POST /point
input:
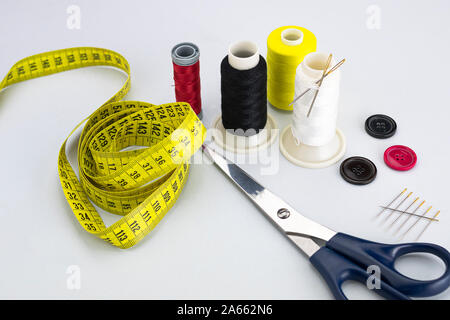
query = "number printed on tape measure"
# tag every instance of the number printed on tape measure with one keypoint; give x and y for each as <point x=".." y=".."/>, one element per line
<point x="139" y="184"/>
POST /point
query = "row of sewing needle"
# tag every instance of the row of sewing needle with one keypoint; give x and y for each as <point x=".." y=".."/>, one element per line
<point x="410" y="212"/>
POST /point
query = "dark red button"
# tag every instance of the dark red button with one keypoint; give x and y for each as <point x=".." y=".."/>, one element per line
<point x="400" y="158"/>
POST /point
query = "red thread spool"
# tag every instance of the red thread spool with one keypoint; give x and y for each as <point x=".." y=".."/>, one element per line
<point x="186" y="74"/>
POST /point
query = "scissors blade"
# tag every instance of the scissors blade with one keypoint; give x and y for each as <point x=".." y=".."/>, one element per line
<point x="295" y="226"/>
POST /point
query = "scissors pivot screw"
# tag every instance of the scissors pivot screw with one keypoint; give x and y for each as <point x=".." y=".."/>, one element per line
<point x="283" y="213"/>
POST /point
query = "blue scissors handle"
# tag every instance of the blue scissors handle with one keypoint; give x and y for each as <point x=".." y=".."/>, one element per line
<point x="358" y="254"/>
<point x="336" y="269"/>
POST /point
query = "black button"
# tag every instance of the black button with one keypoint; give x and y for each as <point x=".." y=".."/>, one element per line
<point x="358" y="170"/>
<point x="380" y="126"/>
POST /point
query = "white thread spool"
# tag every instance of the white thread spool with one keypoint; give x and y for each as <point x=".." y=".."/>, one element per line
<point x="244" y="55"/>
<point x="314" y="141"/>
<point x="319" y="128"/>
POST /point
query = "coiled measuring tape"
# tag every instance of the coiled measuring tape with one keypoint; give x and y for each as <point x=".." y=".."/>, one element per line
<point x="140" y="184"/>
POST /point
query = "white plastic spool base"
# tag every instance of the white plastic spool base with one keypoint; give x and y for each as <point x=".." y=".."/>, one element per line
<point x="245" y="144"/>
<point x="311" y="156"/>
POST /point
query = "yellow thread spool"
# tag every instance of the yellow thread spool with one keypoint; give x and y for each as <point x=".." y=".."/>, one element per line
<point x="286" y="48"/>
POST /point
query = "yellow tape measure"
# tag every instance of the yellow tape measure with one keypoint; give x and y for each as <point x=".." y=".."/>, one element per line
<point x="139" y="184"/>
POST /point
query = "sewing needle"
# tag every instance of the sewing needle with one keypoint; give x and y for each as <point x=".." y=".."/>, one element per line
<point x="436" y="214"/>
<point x="410" y="213"/>
<point x="337" y="65"/>
<point x="415" y="210"/>
<point x="327" y="65"/>
<point x="393" y="222"/>
<point x="392" y="211"/>
<point x="403" y="235"/>
<point x="387" y="207"/>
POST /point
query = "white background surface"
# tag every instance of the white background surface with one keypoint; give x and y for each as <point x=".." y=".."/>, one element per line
<point x="214" y="243"/>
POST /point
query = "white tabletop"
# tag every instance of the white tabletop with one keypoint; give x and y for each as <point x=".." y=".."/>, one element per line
<point x="214" y="243"/>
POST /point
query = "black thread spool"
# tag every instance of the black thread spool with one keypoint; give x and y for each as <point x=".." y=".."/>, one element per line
<point x="245" y="125"/>
<point x="244" y="90"/>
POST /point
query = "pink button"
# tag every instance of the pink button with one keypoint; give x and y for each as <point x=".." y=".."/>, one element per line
<point x="400" y="158"/>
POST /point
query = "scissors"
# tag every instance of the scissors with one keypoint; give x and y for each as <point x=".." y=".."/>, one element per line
<point x="343" y="257"/>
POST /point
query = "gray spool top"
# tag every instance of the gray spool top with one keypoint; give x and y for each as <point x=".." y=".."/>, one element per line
<point x="185" y="54"/>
